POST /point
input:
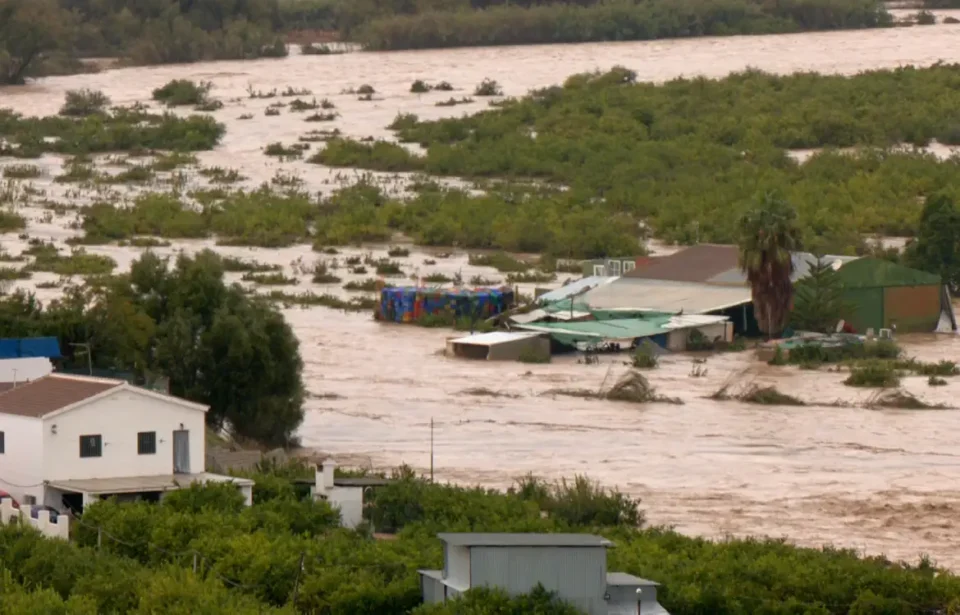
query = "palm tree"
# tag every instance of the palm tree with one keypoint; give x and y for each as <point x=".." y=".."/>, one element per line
<point x="768" y="234"/>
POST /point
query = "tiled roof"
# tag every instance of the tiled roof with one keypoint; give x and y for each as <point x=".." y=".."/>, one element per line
<point x="40" y="397"/>
<point x="697" y="263"/>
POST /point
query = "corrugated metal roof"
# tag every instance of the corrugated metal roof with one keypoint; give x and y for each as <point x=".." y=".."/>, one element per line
<point x="686" y="321"/>
<point x="573" y="288"/>
<point x="40" y="397"/>
<point x="697" y="263"/>
<point x="535" y="315"/>
<point x="468" y="539"/>
<point x="494" y="337"/>
<point x="620" y="329"/>
<point x="801" y="267"/>
<point x="622" y="578"/>
<point x="665" y="296"/>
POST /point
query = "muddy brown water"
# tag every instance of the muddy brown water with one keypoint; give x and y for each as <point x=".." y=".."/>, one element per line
<point x="877" y="480"/>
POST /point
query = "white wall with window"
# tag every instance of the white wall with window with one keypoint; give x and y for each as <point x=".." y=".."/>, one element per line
<point x="127" y="432"/>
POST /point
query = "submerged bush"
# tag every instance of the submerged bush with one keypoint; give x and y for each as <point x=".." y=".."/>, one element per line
<point x="81" y="103"/>
<point x="873" y="374"/>
<point x="183" y="92"/>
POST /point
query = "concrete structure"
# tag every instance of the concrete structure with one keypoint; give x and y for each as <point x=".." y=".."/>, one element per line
<point x="23" y="515"/>
<point x="573" y="566"/>
<point x="66" y="441"/>
<point x="344" y="494"/>
<point x="18" y="371"/>
<point x="498" y="345"/>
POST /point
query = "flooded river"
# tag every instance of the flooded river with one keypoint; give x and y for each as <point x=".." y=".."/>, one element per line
<point x="880" y="481"/>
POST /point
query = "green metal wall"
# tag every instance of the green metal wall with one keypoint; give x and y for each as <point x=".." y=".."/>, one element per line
<point x="866" y="308"/>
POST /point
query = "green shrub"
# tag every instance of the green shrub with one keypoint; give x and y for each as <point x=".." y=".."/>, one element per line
<point x="873" y="374"/>
<point x="488" y="87"/>
<point x="179" y="92"/>
<point x="22" y="171"/>
<point x="646" y="356"/>
<point x="501" y="261"/>
<point x="84" y="102"/>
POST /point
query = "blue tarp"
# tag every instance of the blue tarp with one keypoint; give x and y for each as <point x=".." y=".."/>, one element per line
<point x="20" y="348"/>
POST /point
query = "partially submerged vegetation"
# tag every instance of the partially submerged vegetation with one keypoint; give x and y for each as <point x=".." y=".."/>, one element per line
<point x="122" y="129"/>
<point x="594" y="133"/>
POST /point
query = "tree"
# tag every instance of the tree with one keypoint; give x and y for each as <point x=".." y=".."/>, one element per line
<point x="29" y="28"/>
<point x="217" y="345"/>
<point x="768" y="236"/>
<point x="936" y="248"/>
<point x="818" y="299"/>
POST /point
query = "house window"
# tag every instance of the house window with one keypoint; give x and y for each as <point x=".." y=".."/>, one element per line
<point x="614" y="268"/>
<point x="629" y="266"/>
<point x="599" y="270"/>
<point x="91" y="446"/>
<point x="147" y="443"/>
<point x="3" y="445"/>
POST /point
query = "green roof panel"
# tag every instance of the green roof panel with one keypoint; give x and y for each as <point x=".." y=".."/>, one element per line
<point x="875" y="272"/>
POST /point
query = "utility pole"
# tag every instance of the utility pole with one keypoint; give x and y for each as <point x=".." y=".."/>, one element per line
<point x="89" y="352"/>
<point x="431" y="449"/>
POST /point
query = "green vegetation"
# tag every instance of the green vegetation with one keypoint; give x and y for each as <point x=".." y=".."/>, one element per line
<point x="367" y="285"/>
<point x="322" y="273"/>
<point x="488" y="87"/>
<point x="81" y="103"/>
<point x="22" y="171"/>
<point x="174" y="160"/>
<point x="308" y="299"/>
<point x="541" y="22"/>
<point x="119" y="130"/>
<point x="937" y="245"/>
<point x="818" y="301"/>
<point x="768" y="237"/>
<point x="11" y="221"/>
<point x="687" y="157"/>
<point x="453" y="102"/>
<point x="260" y="218"/>
<point x="233" y="264"/>
<point x="645" y="356"/>
<point x="46" y="257"/>
<point x="501" y="261"/>
<point x="318" y="50"/>
<point x="873" y="374"/>
<point x="179" y="92"/>
<point x="275" y="278"/>
<point x="8" y="274"/>
<point x="531" y="277"/>
<point x="284" y="152"/>
<point x="217" y="345"/>
<point x="285" y="554"/>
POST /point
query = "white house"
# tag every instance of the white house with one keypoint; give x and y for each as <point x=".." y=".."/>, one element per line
<point x="66" y="441"/>
<point x="345" y="494"/>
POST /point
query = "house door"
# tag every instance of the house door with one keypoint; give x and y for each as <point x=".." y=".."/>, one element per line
<point x="181" y="452"/>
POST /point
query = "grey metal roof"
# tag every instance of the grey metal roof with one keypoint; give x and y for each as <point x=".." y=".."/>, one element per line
<point x="665" y="296"/>
<point x="624" y="579"/>
<point x="523" y="540"/>
<point x="801" y="267"/>
<point x="573" y="288"/>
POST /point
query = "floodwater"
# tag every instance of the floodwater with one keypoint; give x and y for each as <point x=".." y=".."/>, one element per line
<point x="877" y="480"/>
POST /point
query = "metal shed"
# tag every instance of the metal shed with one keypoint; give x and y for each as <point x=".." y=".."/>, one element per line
<point x="498" y="345"/>
<point x="881" y="294"/>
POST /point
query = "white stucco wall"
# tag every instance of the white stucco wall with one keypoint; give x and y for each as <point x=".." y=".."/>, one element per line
<point x="21" y="465"/>
<point x="349" y="500"/>
<point x="24" y="369"/>
<point x="118" y="417"/>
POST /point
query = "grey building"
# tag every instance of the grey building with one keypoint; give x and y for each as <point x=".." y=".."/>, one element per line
<point x="573" y="566"/>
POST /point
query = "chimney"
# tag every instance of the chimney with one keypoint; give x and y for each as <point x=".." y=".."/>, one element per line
<point x="324" y="476"/>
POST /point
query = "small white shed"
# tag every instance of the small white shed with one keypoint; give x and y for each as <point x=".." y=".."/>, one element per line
<point x="498" y="345"/>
